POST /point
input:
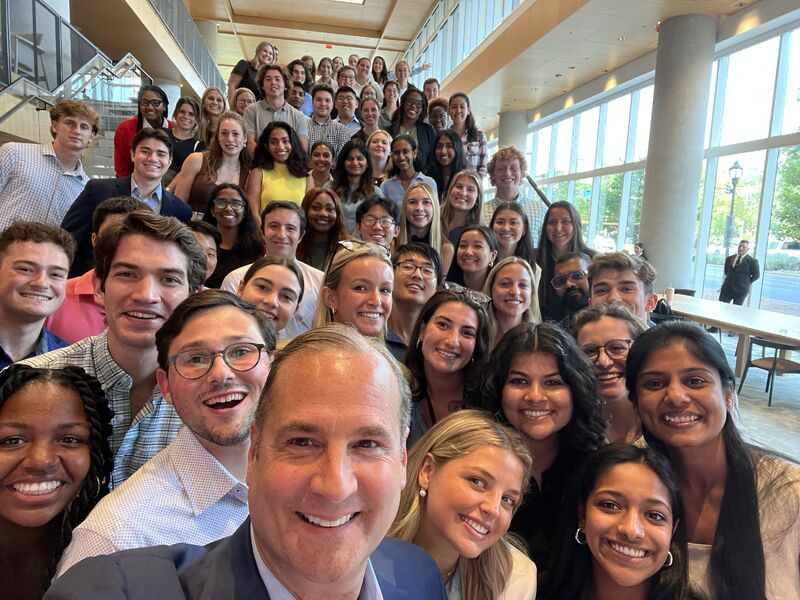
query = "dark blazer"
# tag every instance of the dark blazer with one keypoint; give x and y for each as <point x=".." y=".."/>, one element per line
<point x="737" y="281"/>
<point x="78" y="220"/>
<point x="426" y="135"/>
<point x="226" y="569"/>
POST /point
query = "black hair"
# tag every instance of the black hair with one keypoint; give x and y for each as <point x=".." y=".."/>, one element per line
<point x="422" y="249"/>
<point x="379" y="79"/>
<point x="456" y="273"/>
<point x="397" y="118"/>
<point x="118" y="205"/>
<point x="459" y="162"/>
<point x="249" y="241"/>
<point x="586" y="428"/>
<point x="341" y="183"/>
<point x="404" y="137"/>
<point x="321" y="87"/>
<point x="524" y="247"/>
<point x="737" y="539"/>
<point x="208" y="229"/>
<point x="282" y="261"/>
<point x="140" y="120"/>
<point x="307" y="83"/>
<point x="469" y="123"/>
<point x="98" y="416"/>
<point x="385" y="84"/>
<point x="287" y="205"/>
<point x="297" y="161"/>
<point x="375" y="200"/>
<point x="202" y="301"/>
<point x="572" y="568"/>
<point x="148" y="133"/>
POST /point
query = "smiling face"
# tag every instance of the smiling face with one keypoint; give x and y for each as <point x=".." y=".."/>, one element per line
<point x="377" y="226"/>
<point x="325" y="70"/>
<point x="378" y="147"/>
<point x="362" y="69"/>
<point x="402" y="72"/>
<point x="463" y="194"/>
<point x="326" y="472"/>
<point x="151" y="105"/>
<point x="370" y="113"/>
<point x="459" y="110"/>
<point x="219" y="406"/>
<point x="364" y="296"/>
<point x="511" y="291"/>
<point x="267" y="55"/>
<point x="209" y="247"/>
<point x="44" y="453"/>
<point x="213" y="103"/>
<point x="403" y="155"/>
<point x="185" y="117"/>
<point x="346" y="106"/>
<point x="231" y="213"/>
<point x="474" y="254"/>
<point x="33" y="280"/>
<point x="391" y="94"/>
<point x="536" y="399"/>
<point x="610" y="371"/>
<point x="274" y="84"/>
<point x="470" y="501"/>
<point x="621" y="288"/>
<point x="322" y="213"/>
<point x="297" y="96"/>
<point x="412" y="107"/>
<point x="146" y="280"/>
<point x="413" y="287"/>
<point x="337" y="63"/>
<point x="151" y="159"/>
<point x="321" y="159"/>
<point x="279" y="145"/>
<point x="559" y="229"/>
<point x="681" y="400"/>
<point x="419" y="209"/>
<point x="231" y="137"/>
<point x="448" y="338"/>
<point x="444" y="150"/>
<point x="275" y="291"/>
<point x="431" y="90"/>
<point x="437" y="116"/>
<point x="281" y="232"/>
<point x="628" y="524"/>
<point x="507" y="178"/>
<point x="509" y="228"/>
<point x="322" y="104"/>
<point x="355" y="164"/>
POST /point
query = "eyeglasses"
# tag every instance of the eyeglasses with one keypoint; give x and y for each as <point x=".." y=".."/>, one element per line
<point x="416" y="103"/>
<point x="613" y="349"/>
<point x="154" y="103"/>
<point x="408" y="267"/>
<point x="560" y="281"/>
<point x="225" y="203"/>
<point x="354" y="245"/>
<point x="193" y="364"/>
<point x="370" y="221"/>
<point x="466" y="293"/>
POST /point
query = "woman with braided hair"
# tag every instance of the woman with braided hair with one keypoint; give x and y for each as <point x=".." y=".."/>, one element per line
<point x="55" y="463"/>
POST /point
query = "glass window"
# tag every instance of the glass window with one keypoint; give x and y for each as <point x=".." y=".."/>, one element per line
<point x="711" y="94"/>
<point x="616" y="130"/>
<point x="605" y="239"/>
<point x="748" y="93"/>
<point x="587" y="138"/>
<point x="643" y="123"/>
<point x="542" y="152"/>
<point x="559" y="191"/>
<point x="634" y="208"/>
<point x="779" y="291"/>
<point x="791" y="110"/>
<point x="582" y="200"/>
<point x="745" y="213"/>
<point x="563" y="146"/>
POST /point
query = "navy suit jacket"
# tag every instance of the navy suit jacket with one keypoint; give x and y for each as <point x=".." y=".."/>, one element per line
<point x="78" y="220"/>
<point x="738" y="280"/>
<point x="226" y="569"/>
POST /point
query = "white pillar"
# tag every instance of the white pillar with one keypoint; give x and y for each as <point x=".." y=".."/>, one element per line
<point x="173" y="91"/>
<point x="513" y="129"/>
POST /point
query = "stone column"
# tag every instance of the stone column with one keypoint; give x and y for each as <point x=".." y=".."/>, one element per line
<point x="675" y="154"/>
<point x="513" y="129"/>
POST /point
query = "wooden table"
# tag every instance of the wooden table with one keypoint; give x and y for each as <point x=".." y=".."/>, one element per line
<point x="744" y="320"/>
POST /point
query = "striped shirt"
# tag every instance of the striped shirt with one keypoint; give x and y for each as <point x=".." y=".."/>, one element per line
<point x="135" y="440"/>
<point x="187" y="496"/>
<point x="34" y="186"/>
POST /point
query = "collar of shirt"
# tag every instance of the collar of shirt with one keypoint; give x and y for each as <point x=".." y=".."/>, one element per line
<point x="324" y="123"/>
<point x="283" y="108"/>
<point x="153" y="200"/>
<point x="204" y="478"/>
<point x="353" y="120"/>
<point x="47" y="150"/>
<point x="370" y="590"/>
<point x="84" y="284"/>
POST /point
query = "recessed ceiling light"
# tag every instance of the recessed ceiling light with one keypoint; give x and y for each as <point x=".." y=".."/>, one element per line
<point x="621" y="38"/>
<point x="558" y="75"/>
<point x="350" y="1"/>
<point x="570" y="68"/>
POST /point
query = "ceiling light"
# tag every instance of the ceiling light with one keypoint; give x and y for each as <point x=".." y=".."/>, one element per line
<point x="350" y="1"/>
<point x="621" y="38"/>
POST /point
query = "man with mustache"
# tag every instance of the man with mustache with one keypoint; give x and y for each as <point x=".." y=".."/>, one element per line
<point x="571" y="284"/>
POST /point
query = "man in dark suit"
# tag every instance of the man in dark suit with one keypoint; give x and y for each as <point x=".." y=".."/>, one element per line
<point x="324" y="472"/>
<point x="151" y="152"/>
<point x="741" y="270"/>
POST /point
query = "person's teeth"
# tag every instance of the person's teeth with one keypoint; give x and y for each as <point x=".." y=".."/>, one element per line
<point x="36" y="489"/>
<point x="140" y="315"/>
<point x="324" y="523"/>
<point x="681" y="418"/>
<point x="534" y="414"/>
<point x="233" y="397"/>
<point x="371" y="315"/>
<point x="627" y="551"/>
<point x="476" y="526"/>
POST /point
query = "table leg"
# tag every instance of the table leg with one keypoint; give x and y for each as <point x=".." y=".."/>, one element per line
<point x="742" y="354"/>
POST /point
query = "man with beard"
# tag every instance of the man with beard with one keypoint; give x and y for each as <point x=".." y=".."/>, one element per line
<point x="571" y="284"/>
<point x="193" y="491"/>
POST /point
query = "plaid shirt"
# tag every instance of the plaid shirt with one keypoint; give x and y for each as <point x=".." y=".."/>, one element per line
<point x="34" y="186"/>
<point x="134" y="441"/>
<point x="330" y="131"/>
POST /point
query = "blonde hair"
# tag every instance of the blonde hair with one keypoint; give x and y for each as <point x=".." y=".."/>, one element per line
<point x="204" y="132"/>
<point x="389" y="138"/>
<point x="435" y="237"/>
<point x="475" y="216"/>
<point x="455" y="436"/>
<point x="254" y="62"/>
<point x="532" y="314"/>
<point x="323" y="315"/>
<point x="214" y="153"/>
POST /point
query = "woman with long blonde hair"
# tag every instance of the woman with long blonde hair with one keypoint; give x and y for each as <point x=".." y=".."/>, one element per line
<point x="511" y="285"/>
<point x="463" y="204"/>
<point x="244" y="73"/>
<point x="465" y="479"/>
<point x="420" y="221"/>
<point x="212" y="105"/>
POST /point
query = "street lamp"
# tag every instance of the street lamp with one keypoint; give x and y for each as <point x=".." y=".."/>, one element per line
<point x="735" y="172"/>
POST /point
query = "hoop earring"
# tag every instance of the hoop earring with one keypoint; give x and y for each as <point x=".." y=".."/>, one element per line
<point x="423" y="492"/>
<point x="419" y="343"/>
<point x="578" y="533"/>
<point x="669" y="560"/>
<point x="97" y="491"/>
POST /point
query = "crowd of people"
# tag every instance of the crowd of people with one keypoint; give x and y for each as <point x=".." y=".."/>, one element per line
<point x="291" y="351"/>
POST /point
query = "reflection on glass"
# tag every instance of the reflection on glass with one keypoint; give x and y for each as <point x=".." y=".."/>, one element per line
<point x="543" y="152"/>
<point x="563" y="146"/>
<point x="643" y="123"/>
<point x="605" y="239"/>
<point x="616" y="137"/>
<point x="582" y="200"/>
<point x="791" y="109"/>
<point x="634" y="209"/>
<point x="587" y="139"/>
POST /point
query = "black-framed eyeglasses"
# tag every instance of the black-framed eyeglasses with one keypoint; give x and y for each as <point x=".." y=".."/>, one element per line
<point x="223" y="203"/>
<point x="408" y="267"/>
<point x="144" y="103"/>
<point x="613" y="348"/>
<point x="354" y="245"/>
<point x="466" y="293"/>
<point x="386" y="222"/>
<point x="415" y="103"/>
<point x="195" y="363"/>
<point x="560" y="281"/>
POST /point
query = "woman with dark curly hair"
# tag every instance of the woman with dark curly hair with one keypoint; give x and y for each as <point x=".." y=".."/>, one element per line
<point x="450" y="341"/>
<point x="352" y="180"/>
<point x="242" y="241"/>
<point x="539" y="381"/>
<point x="279" y="170"/>
<point x="55" y="464"/>
<point x="622" y="533"/>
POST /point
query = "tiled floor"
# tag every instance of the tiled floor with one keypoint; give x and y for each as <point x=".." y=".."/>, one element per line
<point x="776" y="427"/>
